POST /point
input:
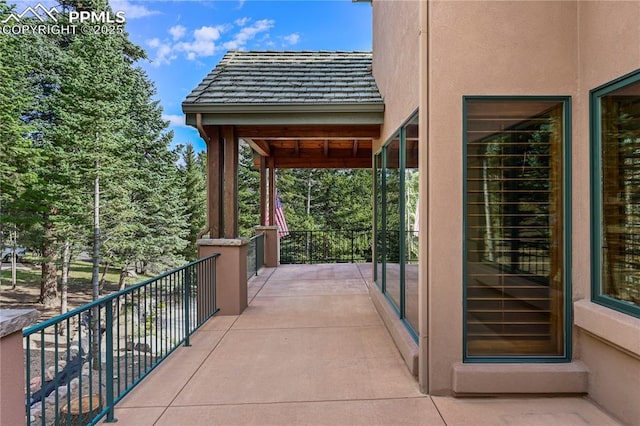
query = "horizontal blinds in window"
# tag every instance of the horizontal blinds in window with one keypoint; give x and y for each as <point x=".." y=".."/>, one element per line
<point x="512" y="218"/>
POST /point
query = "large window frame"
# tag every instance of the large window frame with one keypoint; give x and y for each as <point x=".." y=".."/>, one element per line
<point x="598" y="206"/>
<point x="563" y="348"/>
<point x="393" y="260"/>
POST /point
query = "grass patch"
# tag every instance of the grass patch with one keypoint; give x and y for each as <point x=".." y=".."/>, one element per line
<point x="79" y="276"/>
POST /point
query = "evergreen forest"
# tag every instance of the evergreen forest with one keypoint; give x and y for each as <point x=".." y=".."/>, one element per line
<point x="88" y="165"/>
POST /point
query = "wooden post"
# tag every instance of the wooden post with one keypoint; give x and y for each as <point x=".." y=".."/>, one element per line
<point x="263" y="191"/>
<point x="230" y="197"/>
<point x="214" y="181"/>
<point x="272" y="191"/>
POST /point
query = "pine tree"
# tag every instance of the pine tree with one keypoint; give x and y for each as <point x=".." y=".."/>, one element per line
<point x="195" y="196"/>
<point x="16" y="160"/>
<point x="248" y="192"/>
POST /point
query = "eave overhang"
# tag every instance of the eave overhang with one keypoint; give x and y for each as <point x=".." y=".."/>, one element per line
<point x="281" y="114"/>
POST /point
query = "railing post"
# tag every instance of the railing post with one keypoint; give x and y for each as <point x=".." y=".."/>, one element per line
<point x="109" y="361"/>
<point x="187" y="302"/>
<point x="231" y="272"/>
<point x="255" y="252"/>
<point x="271" y="249"/>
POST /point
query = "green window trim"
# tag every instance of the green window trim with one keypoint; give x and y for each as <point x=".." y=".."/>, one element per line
<point x="628" y="300"/>
<point x="382" y="160"/>
<point x="563" y="350"/>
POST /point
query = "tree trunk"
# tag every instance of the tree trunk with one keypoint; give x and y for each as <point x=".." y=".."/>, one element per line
<point x="95" y="279"/>
<point x="64" y="282"/>
<point x="49" y="282"/>
<point x="95" y="315"/>
<point x="123" y="277"/>
<point x="14" y="259"/>
<point x="309" y="184"/>
<point x="103" y="278"/>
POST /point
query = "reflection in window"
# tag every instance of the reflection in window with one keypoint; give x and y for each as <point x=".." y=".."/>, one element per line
<point x="411" y="175"/>
<point x="514" y="228"/>
<point x="619" y="233"/>
<point x="379" y="221"/>
<point x="392" y="228"/>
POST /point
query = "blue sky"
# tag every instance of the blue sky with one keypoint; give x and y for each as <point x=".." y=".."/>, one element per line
<point x="184" y="40"/>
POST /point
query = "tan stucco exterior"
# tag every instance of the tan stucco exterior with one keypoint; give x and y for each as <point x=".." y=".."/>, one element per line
<point x="431" y="54"/>
<point x="395" y="61"/>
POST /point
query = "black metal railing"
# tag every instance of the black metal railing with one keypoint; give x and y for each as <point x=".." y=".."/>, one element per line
<point x="80" y="364"/>
<point x="528" y="257"/>
<point x="326" y="246"/>
<point x="255" y="255"/>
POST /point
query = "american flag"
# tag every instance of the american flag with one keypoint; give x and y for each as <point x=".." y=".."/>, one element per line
<point x="281" y="221"/>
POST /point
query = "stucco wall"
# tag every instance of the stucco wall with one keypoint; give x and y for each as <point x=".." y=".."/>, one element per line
<point x="395" y="61"/>
<point x="478" y="48"/>
<point x="560" y="48"/>
<point x="609" y="48"/>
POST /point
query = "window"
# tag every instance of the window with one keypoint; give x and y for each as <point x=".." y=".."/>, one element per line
<point x="396" y="235"/>
<point x="516" y="229"/>
<point x="615" y="139"/>
<point x="411" y="214"/>
<point x="378" y="221"/>
<point x="392" y="222"/>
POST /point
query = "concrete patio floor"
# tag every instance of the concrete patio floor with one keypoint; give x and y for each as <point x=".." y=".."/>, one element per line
<point x="312" y="350"/>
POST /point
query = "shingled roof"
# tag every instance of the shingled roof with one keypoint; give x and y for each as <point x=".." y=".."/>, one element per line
<point x="287" y="77"/>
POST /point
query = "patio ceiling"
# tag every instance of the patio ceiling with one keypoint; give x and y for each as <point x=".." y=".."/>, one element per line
<point x="297" y="109"/>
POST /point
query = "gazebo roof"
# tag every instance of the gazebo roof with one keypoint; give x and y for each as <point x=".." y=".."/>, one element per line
<point x="305" y="108"/>
<point x="279" y="78"/>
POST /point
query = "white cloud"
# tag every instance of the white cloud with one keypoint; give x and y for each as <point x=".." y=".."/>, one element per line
<point x="154" y="43"/>
<point x="240" y="3"/>
<point x="164" y="55"/>
<point x="177" y="32"/>
<point x="248" y="33"/>
<point x="174" y="119"/>
<point x="208" y="33"/>
<point x="292" y="39"/>
<point x="203" y="43"/>
<point x="242" y="21"/>
<point x="132" y="11"/>
<point x="209" y="40"/>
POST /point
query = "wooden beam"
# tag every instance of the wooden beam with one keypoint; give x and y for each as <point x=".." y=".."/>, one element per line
<point x="323" y="163"/>
<point x="326" y="148"/>
<point x="369" y="131"/>
<point x="317" y="144"/>
<point x="355" y="147"/>
<point x="230" y="198"/>
<point x="261" y="147"/>
<point x="297" y="148"/>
